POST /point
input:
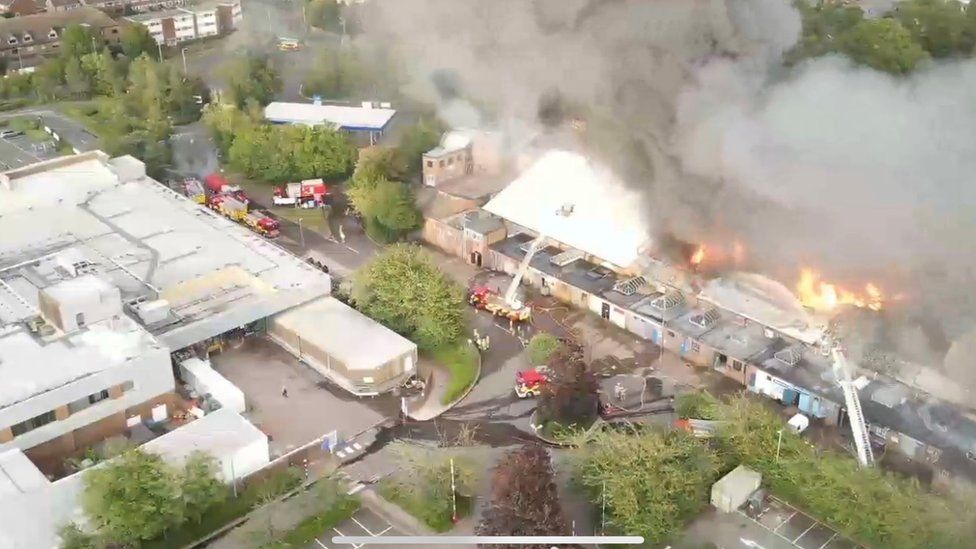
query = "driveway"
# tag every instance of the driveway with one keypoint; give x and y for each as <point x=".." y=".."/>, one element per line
<point x="68" y="129"/>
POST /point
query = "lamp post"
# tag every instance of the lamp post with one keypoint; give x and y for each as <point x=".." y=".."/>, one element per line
<point x="159" y="48"/>
<point x="183" y="53"/>
<point x="779" y="443"/>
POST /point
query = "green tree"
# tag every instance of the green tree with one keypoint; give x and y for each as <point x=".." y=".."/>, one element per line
<point x="415" y="141"/>
<point x="939" y="26"/>
<point x="136" y="41"/>
<point x="134" y="497"/>
<point x="404" y="290"/>
<point x="824" y="26"/>
<point x="524" y="499"/>
<point x="388" y="207"/>
<point x="226" y="122"/>
<point x="77" y="40"/>
<point x="651" y="483"/>
<point x="338" y="73"/>
<point x="569" y="396"/>
<point x="48" y="78"/>
<point x="883" y="44"/>
<point x="77" y="80"/>
<point x="200" y="487"/>
<point x="541" y="347"/>
<point x="251" y="76"/>
<point x="422" y="484"/>
<point x="73" y="537"/>
<point x="323" y="14"/>
<point x="106" y="74"/>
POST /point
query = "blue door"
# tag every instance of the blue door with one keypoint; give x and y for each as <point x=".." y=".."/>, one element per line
<point x="789" y="397"/>
<point x="656" y="336"/>
<point x="805" y="403"/>
<point x="684" y="345"/>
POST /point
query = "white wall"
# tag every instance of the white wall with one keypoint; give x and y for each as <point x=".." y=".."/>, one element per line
<point x="200" y="375"/>
<point x="150" y="373"/>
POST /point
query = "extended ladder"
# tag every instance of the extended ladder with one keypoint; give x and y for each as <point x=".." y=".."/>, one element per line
<point x="859" y="427"/>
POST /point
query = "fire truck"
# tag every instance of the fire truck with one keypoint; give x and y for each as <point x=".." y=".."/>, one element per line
<point x="263" y="224"/>
<point x="194" y="190"/>
<point x="228" y="205"/>
<point x="528" y="383"/>
<point x="310" y="193"/>
<point x="487" y="299"/>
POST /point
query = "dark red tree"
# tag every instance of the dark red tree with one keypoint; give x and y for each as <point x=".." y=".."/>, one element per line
<point x="524" y="501"/>
<point x="569" y="397"/>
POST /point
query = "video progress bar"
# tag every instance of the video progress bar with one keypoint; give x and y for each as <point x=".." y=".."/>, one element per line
<point x="497" y="540"/>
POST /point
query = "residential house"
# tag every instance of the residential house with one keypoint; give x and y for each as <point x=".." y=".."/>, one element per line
<point x="54" y="6"/>
<point x="18" y="7"/>
<point x="182" y="24"/>
<point x="40" y="34"/>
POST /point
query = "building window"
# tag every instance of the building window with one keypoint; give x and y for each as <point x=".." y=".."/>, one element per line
<point x="441" y="163"/>
<point x="450" y="161"/>
<point x="32" y="423"/>
<point x="12" y="40"/>
<point x="87" y="401"/>
<point x="128" y="386"/>
<point x="695" y="347"/>
<point x="736" y="365"/>
<point x="430" y="163"/>
<point x="98" y="397"/>
<point x="28" y="38"/>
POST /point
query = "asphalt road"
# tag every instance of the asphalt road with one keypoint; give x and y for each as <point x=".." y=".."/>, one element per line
<point x="68" y="129"/>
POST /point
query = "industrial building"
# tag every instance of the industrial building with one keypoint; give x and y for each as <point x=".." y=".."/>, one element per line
<point x="596" y="253"/>
<point x="119" y="284"/>
<point x="365" y="123"/>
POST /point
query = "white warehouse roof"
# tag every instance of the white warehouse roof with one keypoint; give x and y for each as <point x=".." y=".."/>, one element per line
<point x="345" y="334"/>
<point x="347" y="118"/>
<point x="146" y="240"/>
<point x="606" y="220"/>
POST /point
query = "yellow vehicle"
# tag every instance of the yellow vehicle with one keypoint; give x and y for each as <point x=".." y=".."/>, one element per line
<point x="288" y="44"/>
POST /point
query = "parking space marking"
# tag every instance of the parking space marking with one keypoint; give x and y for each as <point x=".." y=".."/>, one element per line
<point x="781" y="507"/>
<point x="322" y="545"/>
<point x="830" y="539"/>
<point x="362" y="526"/>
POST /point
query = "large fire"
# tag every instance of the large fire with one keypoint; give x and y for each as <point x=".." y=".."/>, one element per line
<point x="823" y="296"/>
<point x="698" y="256"/>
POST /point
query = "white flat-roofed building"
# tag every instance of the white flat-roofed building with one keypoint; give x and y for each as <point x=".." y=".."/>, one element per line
<point x="361" y="355"/>
<point x="367" y="120"/>
<point x="116" y="272"/>
<point x="33" y="509"/>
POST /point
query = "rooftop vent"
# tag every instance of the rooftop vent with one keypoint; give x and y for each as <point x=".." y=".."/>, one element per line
<point x="598" y="273"/>
<point x="629" y="286"/>
<point x="706" y="319"/>
<point x="565" y="258"/>
<point x="668" y="301"/>
<point x="526" y="246"/>
<point x="565" y="210"/>
<point x="790" y="356"/>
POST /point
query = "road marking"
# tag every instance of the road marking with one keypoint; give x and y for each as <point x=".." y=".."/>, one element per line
<point x="353" y="250"/>
<point x="322" y="545"/>
<point x="780" y="525"/>
<point x="385" y="530"/>
<point x="830" y="539"/>
<point x="361" y="525"/>
<point x="805" y="531"/>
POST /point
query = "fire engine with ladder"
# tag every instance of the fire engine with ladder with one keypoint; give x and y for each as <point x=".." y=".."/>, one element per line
<point x="509" y="305"/>
<point x="859" y="427"/>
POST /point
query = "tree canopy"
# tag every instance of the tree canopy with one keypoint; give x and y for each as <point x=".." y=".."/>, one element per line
<point x="884" y="45"/>
<point x="652" y="483"/>
<point x="137" y="496"/>
<point x="541" y="347"/>
<point x="569" y="397"/>
<point x="403" y="289"/>
<point x="414" y="142"/>
<point x="387" y="207"/>
<point x="524" y="499"/>
<point x="251" y="76"/>
<point x="323" y="14"/>
<point x="136" y="41"/>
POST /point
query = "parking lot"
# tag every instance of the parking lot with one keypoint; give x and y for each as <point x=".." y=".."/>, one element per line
<point x="313" y="407"/>
<point x="799" y="529"/>
<point x="363" y="523"/>
<point x="22" y="150"/>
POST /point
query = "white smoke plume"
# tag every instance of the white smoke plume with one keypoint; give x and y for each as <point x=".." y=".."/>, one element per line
<point x="860" y="174"/>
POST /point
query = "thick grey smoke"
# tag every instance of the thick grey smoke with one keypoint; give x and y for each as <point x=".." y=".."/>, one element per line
<point x="826" y="164"/>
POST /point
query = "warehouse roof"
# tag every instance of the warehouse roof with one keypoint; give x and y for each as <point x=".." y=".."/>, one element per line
<point x="347" y="335"/>
<point x="347" y="118"/>
<point x="577" y="202"/>
<point x="148" y="241"/>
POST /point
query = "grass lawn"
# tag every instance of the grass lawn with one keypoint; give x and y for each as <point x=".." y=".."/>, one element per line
<point x="312" y="527"/>
<point x="434" y="513"/>
<point x="313" y="219"/>
<point x="462" y="361"/>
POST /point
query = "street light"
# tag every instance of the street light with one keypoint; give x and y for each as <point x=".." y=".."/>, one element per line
<point x="779" y="443"/>
<point x="183" y="53"/>
<point x="159" y="48"/>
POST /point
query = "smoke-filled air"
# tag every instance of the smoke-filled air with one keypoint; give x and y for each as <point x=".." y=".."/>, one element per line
<point x="861" y="175"/>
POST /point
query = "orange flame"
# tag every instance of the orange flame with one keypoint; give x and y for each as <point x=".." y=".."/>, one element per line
<point x="823" y="296"/>
<point x="698" y="256"/>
